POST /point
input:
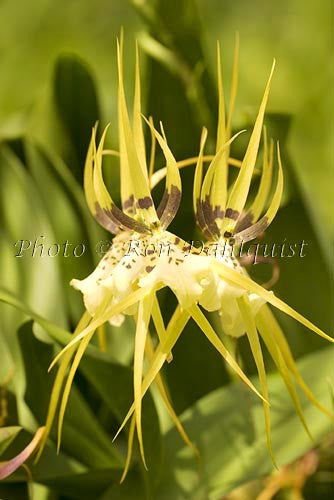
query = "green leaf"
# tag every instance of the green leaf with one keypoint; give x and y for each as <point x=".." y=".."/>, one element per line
<point x="23" y="222"/>
<point x="55" y="331"/>
<point x="114" y="383"/>
<point x="7" y="435"/>
<point x="83" y="436"/>
<point x="64" y="203"/>
<point x="24" y="219"/>
<point x="49" y="161"/>
<point x="63" y="474"/>
<point x="227" y="426"/>
<point x="76" y="103"/>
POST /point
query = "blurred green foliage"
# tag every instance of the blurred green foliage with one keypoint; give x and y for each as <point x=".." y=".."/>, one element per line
<point x="58" y="78"/>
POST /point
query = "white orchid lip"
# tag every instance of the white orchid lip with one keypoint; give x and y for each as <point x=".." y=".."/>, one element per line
<point x="166" y="260"/>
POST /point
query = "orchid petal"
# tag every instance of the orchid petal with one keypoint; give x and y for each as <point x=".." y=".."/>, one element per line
<point x="139" y="181"/>
<point x="238" y="195"/>
<point x="138" y="133"/>
<point x="255" y="346"/>
<point x="58" y="383"/>
<point x="209" y="332"/>
<point x="66" y="393"/>
<point x="164" y="395"/>
<point x="253" y="231"/>
<point x="144" y="314"/>
<point x="234" y="86"/>
<point x="269" y="322"/>
<point x="174" y="330"/>
<point x="159" y="324"/>
<point x="280" y="362"/>
<point x="248" y="284"/>
<point x="132" y="298"/>
<point x="172" y="196"/>
<point x="130" y="448"/>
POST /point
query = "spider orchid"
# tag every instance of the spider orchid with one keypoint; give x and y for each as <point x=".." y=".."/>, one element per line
<point x="128" y="282"/>
<point x="223" y="220"/>
<point x="143" y="258"/>
<point x="225" y="286"/>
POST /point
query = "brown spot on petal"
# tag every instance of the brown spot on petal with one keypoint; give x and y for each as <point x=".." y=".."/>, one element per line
<point x="252" y="232"/>
<point x="200" y="220"/>
<point x="209" y="217"/>
<point x="218" y="213"/>
<point x="109" y="223"/>
<point x="126" y="221"/>
<point x="245" y="222"/>
<point x="145" y="202"/>
<point x="171" y="206"/>
<point x="232" y="214"/>
<point x="149" y="269"/>
<point x="129" y="203"/>
<point x="162" y="204"/>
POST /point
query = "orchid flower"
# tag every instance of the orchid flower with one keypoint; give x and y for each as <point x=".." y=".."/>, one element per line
<point x="220" y="214"/>
<point x="143" y="258"/>
<point x="127" y="279"/>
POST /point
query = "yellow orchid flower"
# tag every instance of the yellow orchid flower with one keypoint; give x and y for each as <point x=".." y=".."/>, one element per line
<point x="222" y="284"/>
<point x="145" y="257"/>
<point x="224" y="221"/>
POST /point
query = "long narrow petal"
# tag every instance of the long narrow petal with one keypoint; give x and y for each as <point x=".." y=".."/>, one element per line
<point x="164" y="395"/>
<point x="214" y="165"/>
<point x="212" y="209"/>
<point x="159" y="324"/>
<point x="209" y="332"/>
<point x="172" y="196"/>
<point x="238" y="196"/>
<point x="152" y="153"/>
<point x="144" y="315"/>
<point x="105" y="202"/>
<point x="234" y="86"/>
<point x="268" y="319"/>
<point x="247" y="283"/>
<point x="93" y="204"/>
<point x="131" y="299"/>
<point x="88" y="175"/>
<point x="219" y="185"/>
<point x="127" y="195"/>
<point x="279" y="360"/>
<point x="139" y="181"/>
<point x="58" y="384"/>
<point x="197" y="205"/>
<point x="221" y="129"/>
<point x="267" y="170"/>
<point x="138" y="133"/>
<point x="254" y="342"/>
<point x="174" y="330"/>
<point x="67" y="389"/>
<point x="130" y="448"/>
<point x="12" y="465"/>
<point x="253" y="231"/>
